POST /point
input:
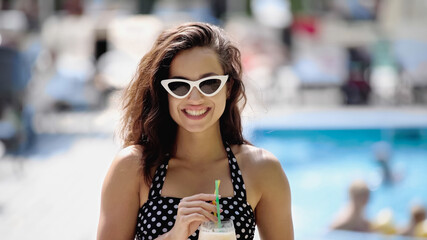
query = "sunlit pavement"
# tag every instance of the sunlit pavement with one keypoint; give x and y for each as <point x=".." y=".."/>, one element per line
<point x="53" y="192"/>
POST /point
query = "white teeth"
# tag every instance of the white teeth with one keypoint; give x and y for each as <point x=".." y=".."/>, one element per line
<point x="195" y="112"/>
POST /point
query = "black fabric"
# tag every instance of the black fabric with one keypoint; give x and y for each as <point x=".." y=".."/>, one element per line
<point x="157" y="215"/>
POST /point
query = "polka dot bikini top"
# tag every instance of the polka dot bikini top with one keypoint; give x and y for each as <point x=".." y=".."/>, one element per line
<point x="157" y="215"/>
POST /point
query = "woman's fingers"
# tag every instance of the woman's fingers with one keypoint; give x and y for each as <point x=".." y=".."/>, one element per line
<point x="202" y="204"/>
<point x="195" y="217"/>
<point x="200" y="197"/>
<point x="199" y="200"/>
<point x="208" y="216"/>
<point x="194" y="210"/>
<point x="199" y="207"/>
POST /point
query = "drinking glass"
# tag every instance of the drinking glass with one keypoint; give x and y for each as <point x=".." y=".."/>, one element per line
<point x="215" y="231"/>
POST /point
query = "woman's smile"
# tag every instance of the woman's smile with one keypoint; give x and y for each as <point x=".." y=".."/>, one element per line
<point x="196" y="113"/>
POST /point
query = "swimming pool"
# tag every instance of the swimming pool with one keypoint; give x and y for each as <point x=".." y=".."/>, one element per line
<point x="321" y="163"/>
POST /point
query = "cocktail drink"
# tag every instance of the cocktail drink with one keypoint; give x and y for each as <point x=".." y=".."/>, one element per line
<point x="215" y="231"/>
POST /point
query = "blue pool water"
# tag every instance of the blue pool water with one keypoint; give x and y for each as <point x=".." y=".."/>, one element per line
<point x="320" y="164"/>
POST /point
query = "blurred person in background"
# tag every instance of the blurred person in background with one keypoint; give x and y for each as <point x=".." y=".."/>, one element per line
<point x="382" y="152"/>
<point x="178" y="140"/>
<point x="352" y="217"/>
<point x="15" y="116"/>
<point x="16" y="133"/>
<point x="357" y="88"/>
<point x="418" y="215"/>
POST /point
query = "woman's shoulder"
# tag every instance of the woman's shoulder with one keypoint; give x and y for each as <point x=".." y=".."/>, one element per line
<point x="123" y="178"/>
<point x="128" y="159"/>
<point x="255" y="158"/>
<point x="261" y="170"/>
<point x="130" y="152"/>
<point x="255" y="154"/>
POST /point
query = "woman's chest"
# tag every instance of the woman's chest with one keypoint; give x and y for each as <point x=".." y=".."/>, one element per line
<point x="183" y="180"/>
<point x="158" y="216"/>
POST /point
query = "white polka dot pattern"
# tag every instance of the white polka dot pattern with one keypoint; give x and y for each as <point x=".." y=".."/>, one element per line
<point x="150" y="225"/>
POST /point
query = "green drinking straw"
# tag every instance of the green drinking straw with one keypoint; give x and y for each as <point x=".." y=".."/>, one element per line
<point x="217" y="182"/>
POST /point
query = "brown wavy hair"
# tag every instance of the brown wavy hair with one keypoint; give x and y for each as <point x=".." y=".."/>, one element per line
<point x="146" y="120"/>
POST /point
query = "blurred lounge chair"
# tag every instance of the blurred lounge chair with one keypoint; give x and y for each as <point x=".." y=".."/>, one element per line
<point x="411" y="56"/>
<point x="322" y="70"/>
<point x="70" y="38"/>
<point x="129" y="38"/>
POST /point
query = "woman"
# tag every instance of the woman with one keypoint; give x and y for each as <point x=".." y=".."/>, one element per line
<point x="182" y="131"/>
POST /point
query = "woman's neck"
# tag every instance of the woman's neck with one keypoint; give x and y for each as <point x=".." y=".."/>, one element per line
<point x="199" y="147"/>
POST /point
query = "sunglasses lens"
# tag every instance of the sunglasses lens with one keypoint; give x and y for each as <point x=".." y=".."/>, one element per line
<point x="179" y="88"/>
<point x="210" y="86"/>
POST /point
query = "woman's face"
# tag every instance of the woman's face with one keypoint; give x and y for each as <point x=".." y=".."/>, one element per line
<point x="197" y="112"/>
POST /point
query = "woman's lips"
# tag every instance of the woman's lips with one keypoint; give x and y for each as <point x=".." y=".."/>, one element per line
<point x="195" y="113"/>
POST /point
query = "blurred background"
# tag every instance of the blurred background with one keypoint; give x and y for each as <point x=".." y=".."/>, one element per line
<point x="337" y="90"/>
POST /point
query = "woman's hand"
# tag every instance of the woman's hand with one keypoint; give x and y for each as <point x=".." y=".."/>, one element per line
<point x="192" y="211"/>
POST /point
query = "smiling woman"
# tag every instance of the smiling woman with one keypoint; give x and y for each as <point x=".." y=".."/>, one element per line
<point x="181" y="131"/>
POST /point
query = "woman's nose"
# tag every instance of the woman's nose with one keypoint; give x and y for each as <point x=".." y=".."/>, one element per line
<point x="195" y="94"/>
